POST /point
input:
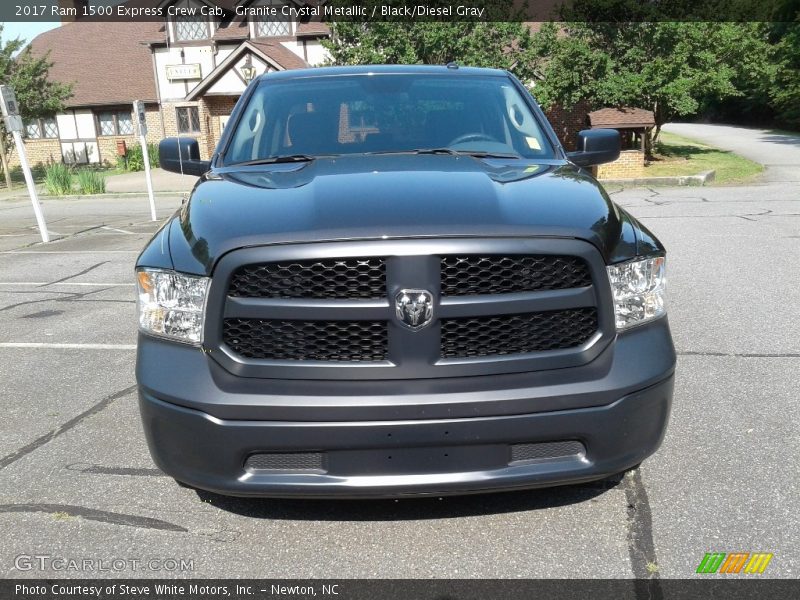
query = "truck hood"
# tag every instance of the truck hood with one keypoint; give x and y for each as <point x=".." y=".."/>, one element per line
<point x="393" y="196"/>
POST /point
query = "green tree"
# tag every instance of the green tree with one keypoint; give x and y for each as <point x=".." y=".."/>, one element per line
<point x="37" y="95"/>
<point x="670" y="68"/>
<point x="784" y="89"/>
<point x="503" y="43"/>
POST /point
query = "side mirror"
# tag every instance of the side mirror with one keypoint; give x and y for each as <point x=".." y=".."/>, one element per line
<point x="595" y="147"/>
<point x="182" y="155"/>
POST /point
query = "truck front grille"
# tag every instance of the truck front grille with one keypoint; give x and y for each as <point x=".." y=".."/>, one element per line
<point x="327" y="310"/>
<point x="497" y="274"/>
<point x="517" y="334"/>
<point x="329" y="278"/>
<point x="307" y="340"/>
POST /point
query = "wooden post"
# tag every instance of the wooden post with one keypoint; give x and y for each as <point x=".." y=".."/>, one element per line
<point x="4" y="160"/>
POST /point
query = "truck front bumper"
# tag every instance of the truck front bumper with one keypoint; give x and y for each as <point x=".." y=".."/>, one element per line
<point x="217" y="432"/>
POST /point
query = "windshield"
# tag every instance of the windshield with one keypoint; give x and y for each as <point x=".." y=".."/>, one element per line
<point x="385" y="113"/>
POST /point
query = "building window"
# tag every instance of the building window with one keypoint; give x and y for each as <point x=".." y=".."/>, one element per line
<point x="191" y="28"/>
<point x="37" y="129"/>
<point x="268" y="28"/>
<point x="115" y="122"/>
<point x="188" y="119"/>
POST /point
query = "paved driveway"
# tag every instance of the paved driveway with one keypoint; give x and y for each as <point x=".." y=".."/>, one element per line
<point x="76" y="480"/>
<point x="163" y="181"/>
<point x="778" y="152"/>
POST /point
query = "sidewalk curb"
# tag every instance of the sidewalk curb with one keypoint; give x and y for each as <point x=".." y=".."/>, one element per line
<point x="109" y="195"/>
<point x="680" y="180"/>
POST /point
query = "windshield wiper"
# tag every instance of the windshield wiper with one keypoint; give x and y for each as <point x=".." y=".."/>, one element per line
<point x="271" y="160"/>
<point x="482" y="154"/>
<point x="452" y="152"/>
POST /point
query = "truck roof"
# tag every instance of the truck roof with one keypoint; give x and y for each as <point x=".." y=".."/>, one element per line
<point x="454" y="71"/>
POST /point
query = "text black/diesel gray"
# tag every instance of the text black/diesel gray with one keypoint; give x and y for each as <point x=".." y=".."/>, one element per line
<point x="392" y="281"/>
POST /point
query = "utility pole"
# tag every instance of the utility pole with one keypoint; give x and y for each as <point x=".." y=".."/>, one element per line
<point x="13" y="123"/>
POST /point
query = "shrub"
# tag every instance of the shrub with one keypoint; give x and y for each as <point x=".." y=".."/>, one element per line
<point x="91" y="181"/>
<point x="58" y="179"/>
<point x="133" y="160"/>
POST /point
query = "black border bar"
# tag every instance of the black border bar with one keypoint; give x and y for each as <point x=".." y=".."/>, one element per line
<point x="734" y="587"/>
<point x="415" y="11"/>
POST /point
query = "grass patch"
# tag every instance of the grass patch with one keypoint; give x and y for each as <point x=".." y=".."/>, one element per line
<point x="58" y="179"/>
<point x="133" y="160"/>
<point x="40" y="171"/>
<point x="676" y="155"/>
<point x="91" y="181"/>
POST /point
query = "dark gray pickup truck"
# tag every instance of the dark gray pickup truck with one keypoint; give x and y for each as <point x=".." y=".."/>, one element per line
<point x="394" y="281"/>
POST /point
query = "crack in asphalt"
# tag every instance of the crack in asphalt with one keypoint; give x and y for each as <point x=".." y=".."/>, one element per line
<point x="68" y="297"/>
<point x="61" y="429"/>
<point x="93" y="514"/>
<point x="641" y="547"/>
<point x="60" y="237"/>
<point x="101" y="470"/>
<point x="86" y="270"/>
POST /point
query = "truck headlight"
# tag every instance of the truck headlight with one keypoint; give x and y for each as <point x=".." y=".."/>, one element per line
<point x="171" y="305"/>
<point x="638" y="287"/>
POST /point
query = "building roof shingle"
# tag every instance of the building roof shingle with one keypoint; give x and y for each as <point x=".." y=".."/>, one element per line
<point x="105" y="62"/>
<point x="621" y="118"/>
<point x="110" y="63"/>
<point x="280" y="54"/>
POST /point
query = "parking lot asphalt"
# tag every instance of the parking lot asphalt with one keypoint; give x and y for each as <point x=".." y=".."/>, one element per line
<point x="76" y="480"/>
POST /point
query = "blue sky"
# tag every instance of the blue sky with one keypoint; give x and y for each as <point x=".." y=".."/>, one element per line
<point x="27" y="30"/>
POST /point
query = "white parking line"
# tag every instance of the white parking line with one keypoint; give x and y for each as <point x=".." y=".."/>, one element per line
<point x="68" y="346"/>
<point x="67" y="283"/>
<point x="117" y="230"/>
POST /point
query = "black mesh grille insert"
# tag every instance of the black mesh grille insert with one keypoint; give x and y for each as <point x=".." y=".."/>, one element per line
<point x="307" y="340"/>
<point x="495" y="274"/>
<point x="545" y="450"/>
<point x="285" y="461"/>
<point x="517" y="334"/>
<point x="360" y="278"/>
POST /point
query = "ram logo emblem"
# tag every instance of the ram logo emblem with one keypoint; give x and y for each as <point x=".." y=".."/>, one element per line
<point x="414" y="308"/>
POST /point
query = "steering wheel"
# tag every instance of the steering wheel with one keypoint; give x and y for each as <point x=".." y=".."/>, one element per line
<point x="472" y="137"/>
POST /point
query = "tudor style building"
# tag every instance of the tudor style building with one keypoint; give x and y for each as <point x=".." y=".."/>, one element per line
<point x="189" y="71"/>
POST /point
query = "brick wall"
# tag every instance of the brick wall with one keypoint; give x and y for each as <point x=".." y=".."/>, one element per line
<point x="209" y="112"/>
<point x="39" y="152"/>
<point x="107" y="145"/>
<point x="629" y="165"/>
<point x="170" y="117"/>
<point x="214" y="108"/>
<point x="568" y="122"/>
<point x="42" y="152"/>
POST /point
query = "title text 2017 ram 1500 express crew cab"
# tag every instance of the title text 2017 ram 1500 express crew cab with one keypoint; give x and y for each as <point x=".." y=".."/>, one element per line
<point x="392" y="281"/>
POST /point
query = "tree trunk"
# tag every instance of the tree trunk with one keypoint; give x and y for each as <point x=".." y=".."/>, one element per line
<point x="651" y="139"/>
<point x="4" y="160"/>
